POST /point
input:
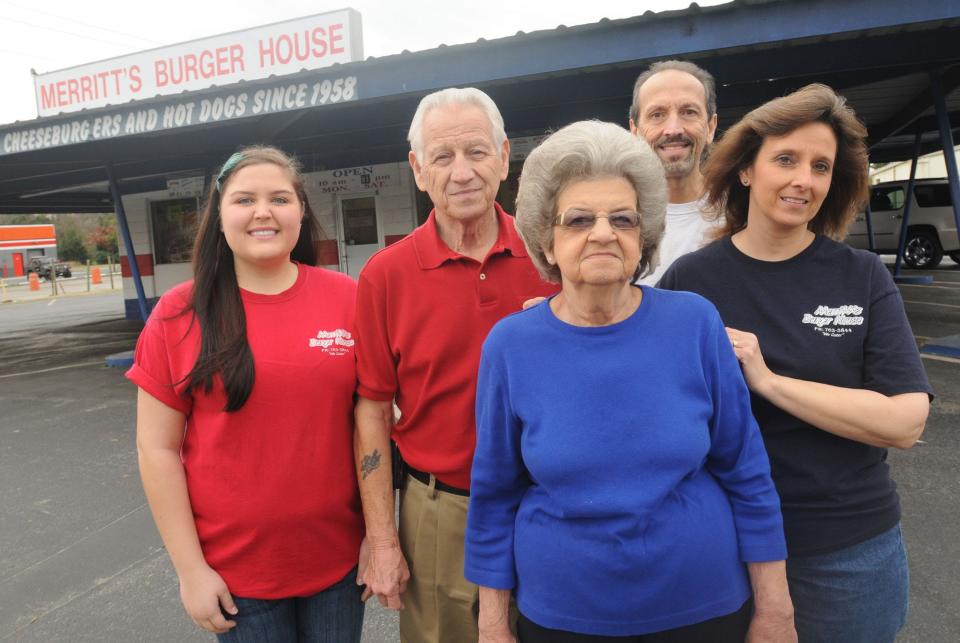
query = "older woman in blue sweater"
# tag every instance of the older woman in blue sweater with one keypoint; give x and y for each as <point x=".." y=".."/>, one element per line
<point x="620" y="485"/>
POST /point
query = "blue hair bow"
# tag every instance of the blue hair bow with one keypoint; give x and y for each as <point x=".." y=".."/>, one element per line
<point x="231" y="163"/>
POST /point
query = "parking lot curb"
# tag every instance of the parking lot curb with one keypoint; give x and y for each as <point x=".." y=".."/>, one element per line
<point x="917" y="280"/>
<point x="948" y="346"/>
<point x="120" y="360"/>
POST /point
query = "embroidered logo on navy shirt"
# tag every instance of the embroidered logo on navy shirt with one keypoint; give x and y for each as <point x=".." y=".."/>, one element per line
<point x="333" y="342"/>
<point x="835" y="322"/>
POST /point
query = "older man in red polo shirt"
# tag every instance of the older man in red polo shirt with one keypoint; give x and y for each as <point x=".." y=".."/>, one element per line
<point x="424" y="306"/>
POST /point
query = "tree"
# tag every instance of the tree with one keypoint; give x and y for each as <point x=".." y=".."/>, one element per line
<point x="25" y="219"/>
<point x="70" y="244"/>
<point x="103" y="239"/>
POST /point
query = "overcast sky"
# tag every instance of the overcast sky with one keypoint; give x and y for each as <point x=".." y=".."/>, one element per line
<point x="47" y="35"/>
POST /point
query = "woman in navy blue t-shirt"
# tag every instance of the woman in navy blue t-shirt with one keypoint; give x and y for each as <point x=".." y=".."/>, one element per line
<point x="826" y="349"/>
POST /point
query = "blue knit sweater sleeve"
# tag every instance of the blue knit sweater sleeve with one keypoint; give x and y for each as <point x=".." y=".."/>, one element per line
<point x="737" y="457"/>
<point x="499" y="479"/>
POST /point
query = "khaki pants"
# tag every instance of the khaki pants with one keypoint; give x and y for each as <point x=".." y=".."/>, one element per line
<point x="440" y="606"/>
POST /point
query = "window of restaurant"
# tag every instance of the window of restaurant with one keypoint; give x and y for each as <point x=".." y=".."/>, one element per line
<point x="424" y="205"/>
<point x="507" y="195"/>
<point x="174" y="226"/>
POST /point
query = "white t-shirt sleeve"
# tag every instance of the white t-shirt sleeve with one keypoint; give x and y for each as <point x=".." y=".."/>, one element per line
<point x="687" y="229"/>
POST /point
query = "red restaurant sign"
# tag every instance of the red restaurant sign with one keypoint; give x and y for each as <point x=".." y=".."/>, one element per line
<point x="272" y="50"/>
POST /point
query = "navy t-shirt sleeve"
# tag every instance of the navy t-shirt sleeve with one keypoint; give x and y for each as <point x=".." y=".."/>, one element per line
<point x="737" y="456"/>
<point x="668" y="281"/>
<point x="891" y="363"/>
<point x="498" y="480"/>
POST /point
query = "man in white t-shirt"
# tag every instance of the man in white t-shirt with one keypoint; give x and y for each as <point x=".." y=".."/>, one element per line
<point x="675" y="110"/>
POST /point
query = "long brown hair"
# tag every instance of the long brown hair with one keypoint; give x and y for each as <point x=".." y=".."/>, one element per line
<point x="215" y="300"/>
<point x="737" y="150"/>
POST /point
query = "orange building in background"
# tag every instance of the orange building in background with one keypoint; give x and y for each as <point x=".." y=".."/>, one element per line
<point x="20" y="242"/>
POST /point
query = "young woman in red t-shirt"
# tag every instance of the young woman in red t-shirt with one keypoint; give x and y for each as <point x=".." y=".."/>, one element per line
<point x="244" y="417"/>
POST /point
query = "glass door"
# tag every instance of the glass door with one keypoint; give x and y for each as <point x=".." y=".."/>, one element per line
<point x="360" y="232"/>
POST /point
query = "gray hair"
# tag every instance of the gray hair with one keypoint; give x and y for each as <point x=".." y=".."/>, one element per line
<point x="583" y="151"/>
<point x="455" y="96"/>
<point x="705" y="78"/>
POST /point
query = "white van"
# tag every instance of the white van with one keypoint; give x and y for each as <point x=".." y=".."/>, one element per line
<point x="933" y="228"/>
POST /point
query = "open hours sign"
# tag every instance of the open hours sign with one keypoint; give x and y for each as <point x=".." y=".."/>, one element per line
<point x="279" y="49"/>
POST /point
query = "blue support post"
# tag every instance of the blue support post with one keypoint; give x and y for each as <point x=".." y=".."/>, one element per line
<point x="950" y="345"/>
<point x="905" y="224"/>
<point x="868" y="213"/>
<point x="946" y="140"/>
<point x="127" y="240"/>
<point x="908" y="203"/>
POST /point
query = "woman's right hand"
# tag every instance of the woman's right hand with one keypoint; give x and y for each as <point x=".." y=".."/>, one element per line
<point x="774" y="627"/>
<point x="493" y="620"/>
<point x="498" y="636"/>
<point x="205" y="597"/>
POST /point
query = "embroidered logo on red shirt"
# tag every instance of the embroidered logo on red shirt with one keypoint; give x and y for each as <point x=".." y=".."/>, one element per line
<point x="333" y="342"/>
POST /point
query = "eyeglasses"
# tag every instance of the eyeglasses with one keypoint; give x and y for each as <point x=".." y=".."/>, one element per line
<point x="584" y="220"/>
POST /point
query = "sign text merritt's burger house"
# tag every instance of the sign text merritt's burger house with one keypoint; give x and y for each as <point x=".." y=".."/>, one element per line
<point x="279" y="49"/>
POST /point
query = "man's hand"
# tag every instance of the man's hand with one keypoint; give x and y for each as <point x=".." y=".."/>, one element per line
<point x="203" y="594"/>
<point x="532" y="302"/>
<point x="385" y="574"/>
<point x="363" y="559"/>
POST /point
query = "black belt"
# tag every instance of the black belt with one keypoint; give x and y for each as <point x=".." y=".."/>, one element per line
<point x="439" y="486"/>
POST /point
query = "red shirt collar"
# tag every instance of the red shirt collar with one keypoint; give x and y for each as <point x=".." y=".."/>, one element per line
<point x="432" y="252"/>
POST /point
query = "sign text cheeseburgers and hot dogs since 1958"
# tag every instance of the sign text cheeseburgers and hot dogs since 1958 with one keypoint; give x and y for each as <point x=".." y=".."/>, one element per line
<point x="279" y="49"/>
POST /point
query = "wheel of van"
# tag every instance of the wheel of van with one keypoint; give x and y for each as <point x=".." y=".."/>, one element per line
<point x="955" y="255"/>
<point x="922" y="249"/>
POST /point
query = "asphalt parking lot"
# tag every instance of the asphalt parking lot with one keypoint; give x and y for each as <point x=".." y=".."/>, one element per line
<point x="80" y="559"/>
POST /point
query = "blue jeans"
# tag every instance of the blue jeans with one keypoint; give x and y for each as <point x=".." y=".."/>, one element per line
<point x="334" y="615"/>
<point x="855" y="595"/>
